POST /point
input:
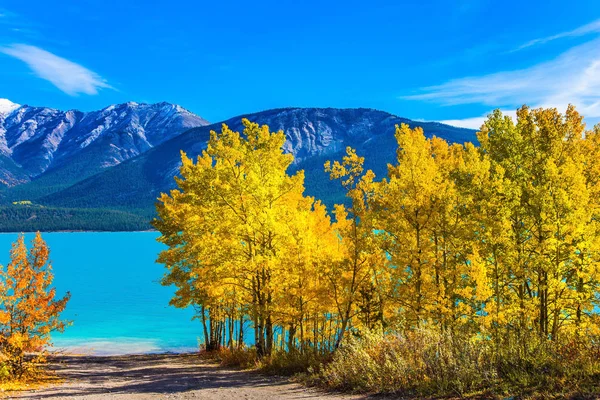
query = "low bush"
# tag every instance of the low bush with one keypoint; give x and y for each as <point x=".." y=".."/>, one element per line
<point x="236" y="358"/>
<point x="278" y="363"/>
<point x="429" y="363"/>
<point x="295" y="362"/>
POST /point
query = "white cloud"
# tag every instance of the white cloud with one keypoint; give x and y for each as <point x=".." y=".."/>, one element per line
<point x="471" y="123"/>
<point x="66" y="75"/>
<point x="475" y="122"/>
<point x="571" y="78"/>
<point x="592" y="27"/>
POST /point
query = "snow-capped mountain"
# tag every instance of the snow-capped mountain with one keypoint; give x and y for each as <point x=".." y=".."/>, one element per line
<point x="41" y="139"/>
<point x="7" y="106"/>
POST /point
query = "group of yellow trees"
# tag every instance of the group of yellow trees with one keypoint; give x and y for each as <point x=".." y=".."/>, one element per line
<point x="499" y="241"/>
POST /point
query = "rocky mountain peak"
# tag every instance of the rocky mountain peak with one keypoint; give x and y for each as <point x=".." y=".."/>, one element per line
<point x="39" y="139"/>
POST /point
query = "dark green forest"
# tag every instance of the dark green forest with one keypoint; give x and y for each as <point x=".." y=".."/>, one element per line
<point x="31" y="218"/>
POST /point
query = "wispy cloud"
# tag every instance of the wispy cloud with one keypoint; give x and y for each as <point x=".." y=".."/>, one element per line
<point x="71" y="78"/>
<point x="592" y="27"/>
<point x="13" y="20"/>
<point x="5" y="15"/>
<point x="573" y="77"/>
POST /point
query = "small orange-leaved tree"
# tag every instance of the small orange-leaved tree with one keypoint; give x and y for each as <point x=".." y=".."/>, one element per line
<point x="29" y="311"/>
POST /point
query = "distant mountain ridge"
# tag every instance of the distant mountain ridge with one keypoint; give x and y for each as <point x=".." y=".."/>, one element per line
<point x="132" y="185"/>
<point x="39" y="139"/>
<point x="314" y="135"/>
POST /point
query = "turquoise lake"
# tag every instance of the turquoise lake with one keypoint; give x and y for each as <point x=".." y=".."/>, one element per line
<point x="117" y="303"/>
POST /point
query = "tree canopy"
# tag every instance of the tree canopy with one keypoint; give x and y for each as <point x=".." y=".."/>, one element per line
<point x="497" y="241"/>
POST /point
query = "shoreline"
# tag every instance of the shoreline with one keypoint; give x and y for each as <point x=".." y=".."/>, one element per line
<point x="60" y="353"/>
<point x="112" y="347"/>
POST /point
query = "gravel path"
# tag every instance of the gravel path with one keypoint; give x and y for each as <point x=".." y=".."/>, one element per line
<point x="163" y="377"/>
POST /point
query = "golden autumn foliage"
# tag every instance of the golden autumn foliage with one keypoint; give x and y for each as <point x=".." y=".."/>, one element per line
<point x="241" y="234"/>
<point x="29" y="312"/>
<point x="490" y="254"/>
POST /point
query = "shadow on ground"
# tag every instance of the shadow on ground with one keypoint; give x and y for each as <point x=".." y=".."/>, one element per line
<point x="150" y="374"/>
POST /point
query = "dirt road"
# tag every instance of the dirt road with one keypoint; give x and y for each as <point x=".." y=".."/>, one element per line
<point x="163" y="377"/>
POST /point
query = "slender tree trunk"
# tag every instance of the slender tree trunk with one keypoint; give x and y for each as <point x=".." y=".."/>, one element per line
<point x="241" y="333"/>
<point x="269" y="335"/>
<point x="291" y="344"/>
<point x="204" y="328"/>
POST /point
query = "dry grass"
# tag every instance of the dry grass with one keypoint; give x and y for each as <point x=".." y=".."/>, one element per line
<point x="427" y="363"/>
<point x="279" y="363"/>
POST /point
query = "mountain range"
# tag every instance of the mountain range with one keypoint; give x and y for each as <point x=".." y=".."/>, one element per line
<point x="103" y="170"/>
<point x="40" y="141"/>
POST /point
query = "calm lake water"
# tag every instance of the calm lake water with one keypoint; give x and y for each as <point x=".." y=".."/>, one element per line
<point x="117" y="304"/>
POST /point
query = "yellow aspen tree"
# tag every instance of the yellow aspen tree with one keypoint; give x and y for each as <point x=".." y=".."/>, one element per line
<point x="510" y="153"/>
<point x="429" y="234"/>
<point x="585" y="276"/>
<point x="482" y="187"/>
<point x="354" y="275"/>
<point x="407" y="210"/>
<point x="459" y="273"/>
<point x="29" y="311"/>
<point x="306" y="300"/>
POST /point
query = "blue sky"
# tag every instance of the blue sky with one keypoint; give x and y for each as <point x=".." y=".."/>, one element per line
<point x="433" y="60"/>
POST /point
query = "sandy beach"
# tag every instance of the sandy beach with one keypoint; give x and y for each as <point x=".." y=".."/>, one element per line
<point x="164" y="376"/>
